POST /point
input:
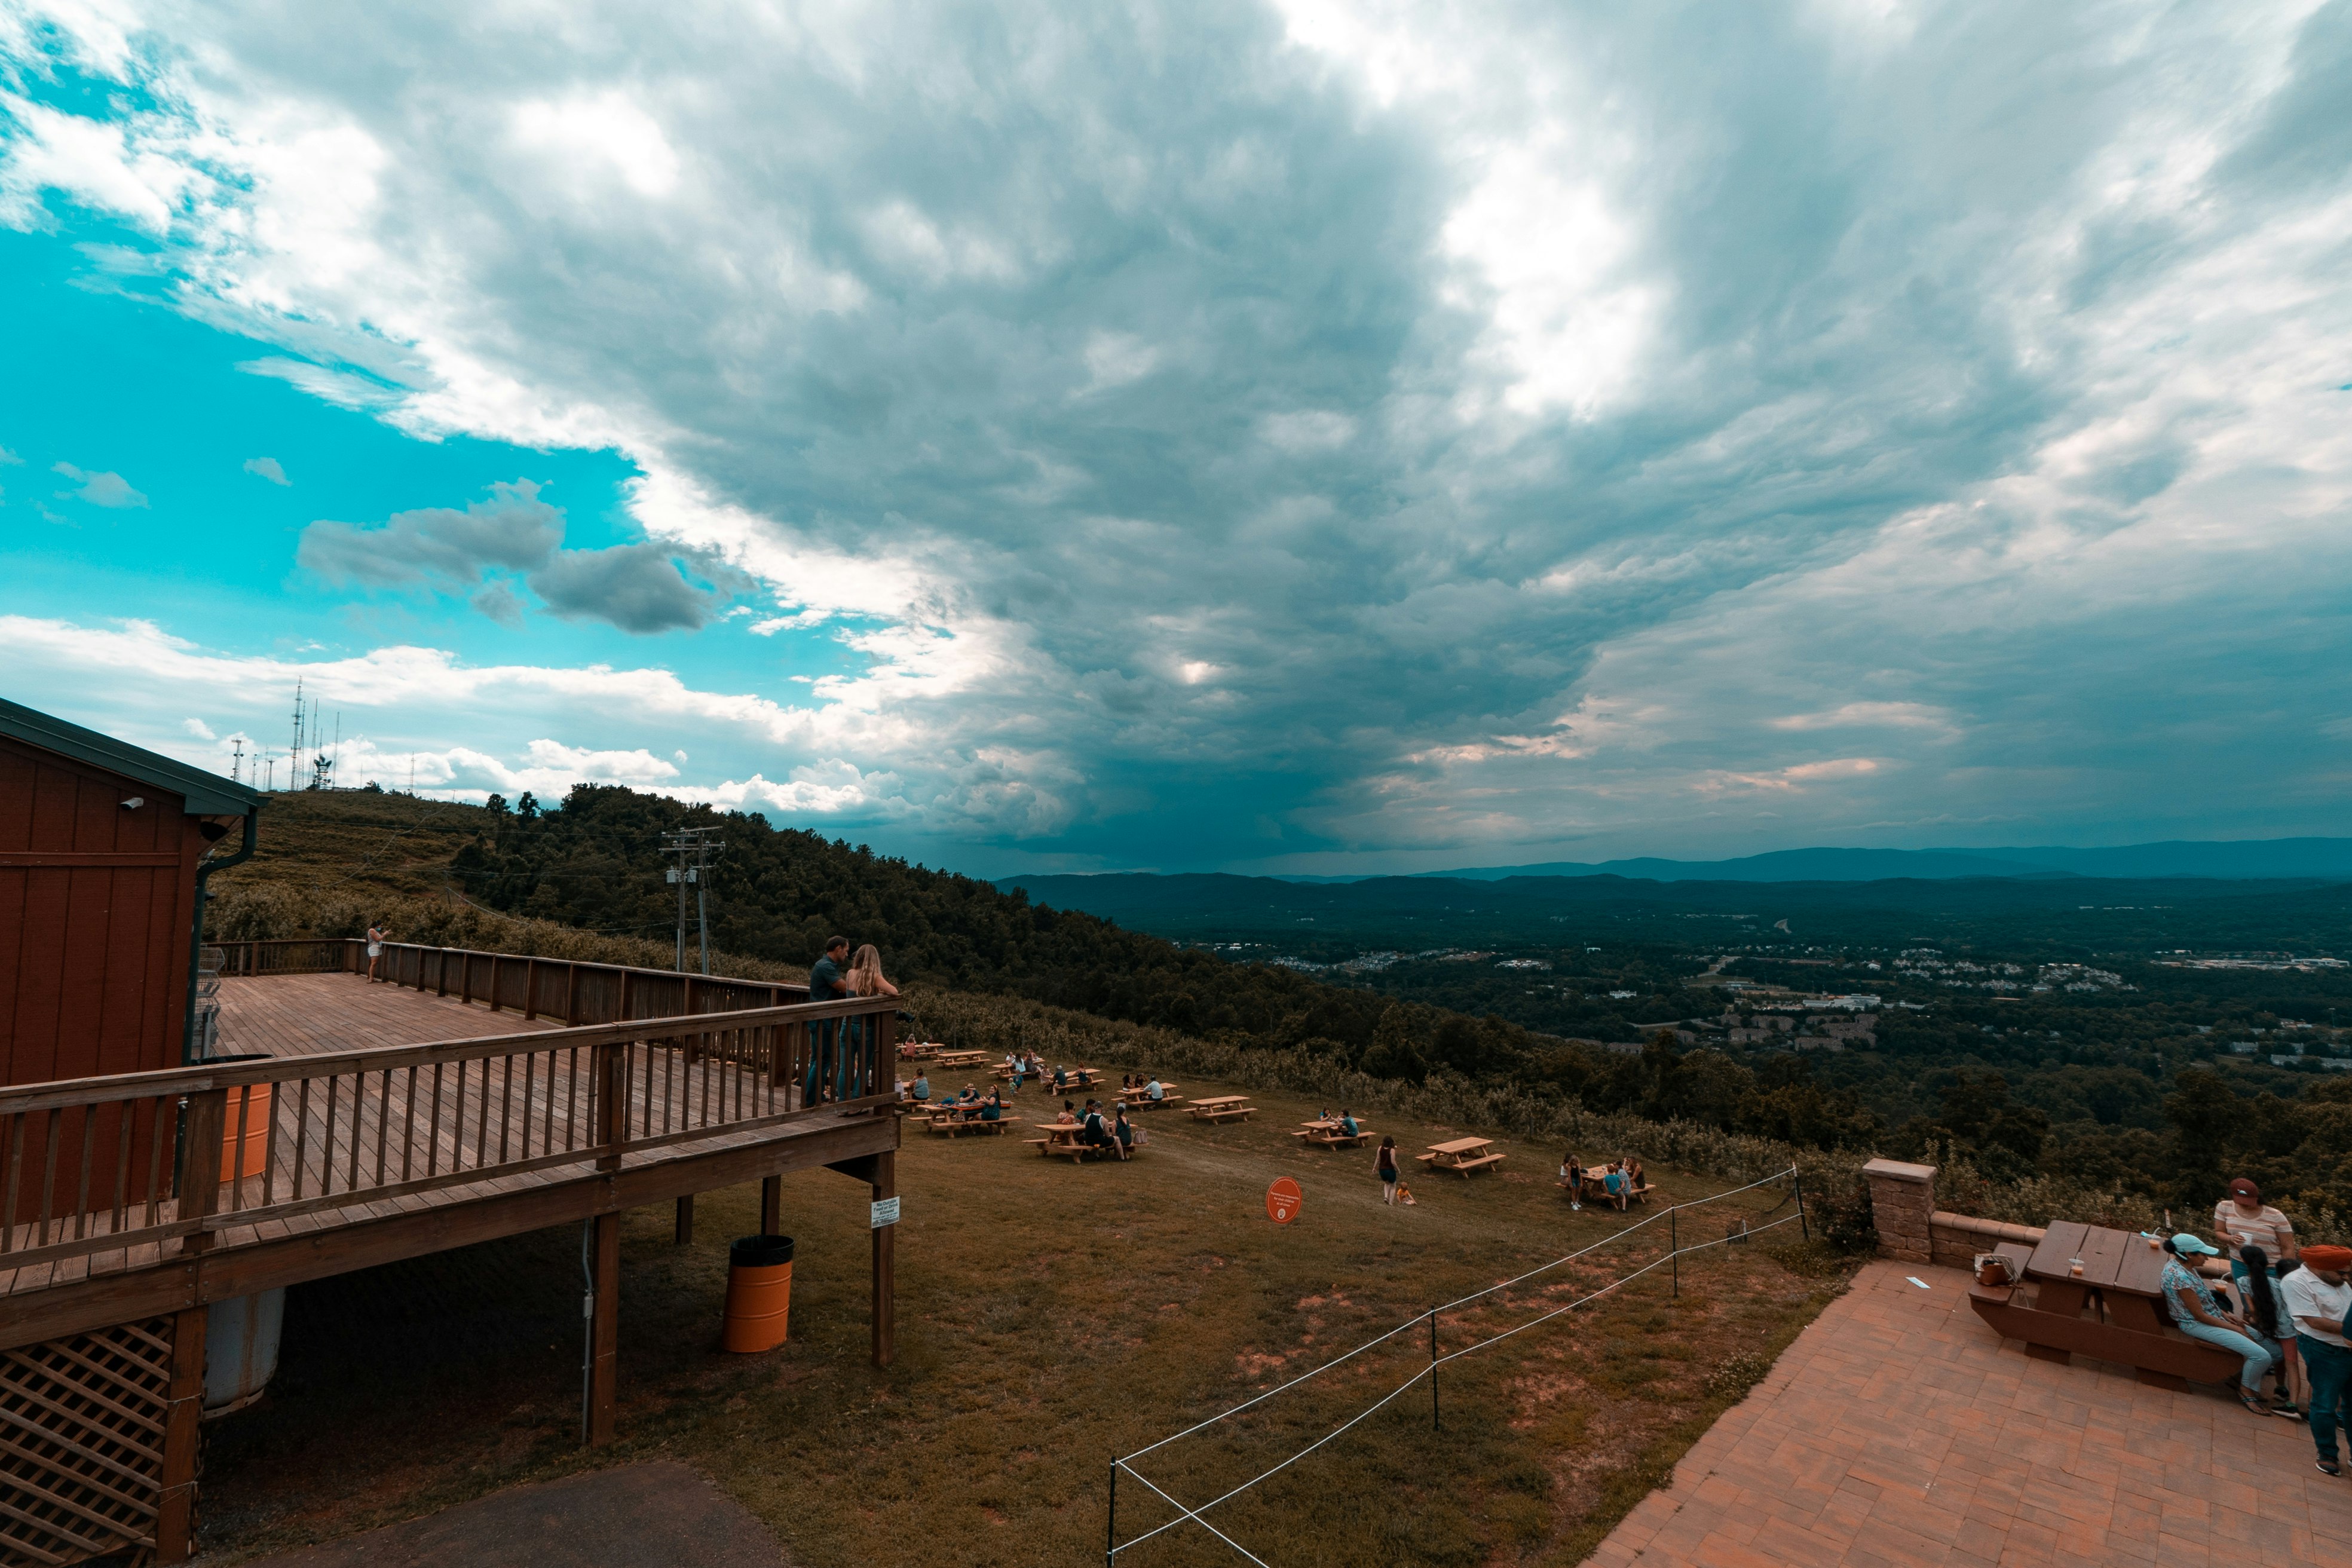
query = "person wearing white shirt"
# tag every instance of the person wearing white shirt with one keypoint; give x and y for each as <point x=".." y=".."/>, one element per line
<point x="2317" y="1296"/>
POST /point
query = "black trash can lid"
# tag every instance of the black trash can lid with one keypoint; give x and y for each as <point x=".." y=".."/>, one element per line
<point x="760" y="1251"/>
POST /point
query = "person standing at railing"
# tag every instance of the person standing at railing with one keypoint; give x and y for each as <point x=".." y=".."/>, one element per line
<point x="376" y="937"/>
<point x="858" y="1035"/>
<point x="826" y="983"/>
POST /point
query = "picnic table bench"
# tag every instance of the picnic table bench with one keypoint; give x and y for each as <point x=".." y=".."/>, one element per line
<point x="1462" y="1155"/>
<point x="953" y="1122"/>
<point x="2119" y="1289"/>
<point x="1076" y="1077"/>
<point x="1062" y="1138"/>
<point x="1223" y="1108"/>
<point x="1330" y="1134"/>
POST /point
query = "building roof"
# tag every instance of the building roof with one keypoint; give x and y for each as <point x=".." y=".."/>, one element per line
<point x="206" y="795"/>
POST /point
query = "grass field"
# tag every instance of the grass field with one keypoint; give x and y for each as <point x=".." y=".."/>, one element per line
<point x="1050" y="1317"/>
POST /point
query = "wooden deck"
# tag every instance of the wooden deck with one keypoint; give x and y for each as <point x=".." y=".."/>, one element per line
<point x="371" y="1121"/>
<point x="374" y="1159"/>
<point x="311" y="1014"/>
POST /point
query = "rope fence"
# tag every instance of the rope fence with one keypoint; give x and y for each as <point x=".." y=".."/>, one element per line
<point x="1670" y="1259"/>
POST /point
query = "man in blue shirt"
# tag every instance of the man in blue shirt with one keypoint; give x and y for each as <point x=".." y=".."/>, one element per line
<point x="826" y="984"/>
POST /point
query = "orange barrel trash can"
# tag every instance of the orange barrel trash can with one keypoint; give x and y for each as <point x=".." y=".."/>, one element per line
<point x="759" y="1292"/>
<point x="250" y="1100"/>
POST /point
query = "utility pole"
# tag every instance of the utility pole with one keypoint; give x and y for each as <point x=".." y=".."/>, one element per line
<point x="692" y="850"/>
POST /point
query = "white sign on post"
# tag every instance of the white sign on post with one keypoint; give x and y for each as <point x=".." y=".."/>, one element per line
<point x="886" y="1212"/>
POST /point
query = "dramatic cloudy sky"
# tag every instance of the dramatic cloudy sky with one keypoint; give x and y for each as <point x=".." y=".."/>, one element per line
<point x="1291" y="434"/>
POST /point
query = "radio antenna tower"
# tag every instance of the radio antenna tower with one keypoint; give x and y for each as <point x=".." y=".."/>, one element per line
<point x="236" y="759"/>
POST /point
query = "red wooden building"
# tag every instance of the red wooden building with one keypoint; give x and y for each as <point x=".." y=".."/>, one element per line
<point x="102" y="846"/>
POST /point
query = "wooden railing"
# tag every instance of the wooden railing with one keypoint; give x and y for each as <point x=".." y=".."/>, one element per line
<point x="569" y="989"/>
<point x="84" y="1162"/>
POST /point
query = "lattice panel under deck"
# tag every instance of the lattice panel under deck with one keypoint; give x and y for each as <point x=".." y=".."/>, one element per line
<point x="81" y="1443"/>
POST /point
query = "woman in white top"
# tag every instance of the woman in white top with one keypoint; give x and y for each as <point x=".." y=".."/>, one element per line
<point x="376" y="933"/>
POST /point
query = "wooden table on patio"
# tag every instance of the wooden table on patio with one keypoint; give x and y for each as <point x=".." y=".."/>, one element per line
<point x="1462" y="1155"/>
<point x="2121" y="1285"/>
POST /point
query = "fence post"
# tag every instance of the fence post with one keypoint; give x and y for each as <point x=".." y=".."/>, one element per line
<point x="1674" y="1245"/>
<point x="1110" y="1526"/>
<point x="1804" y="1226"/>
<point x="1433" y="1424"/>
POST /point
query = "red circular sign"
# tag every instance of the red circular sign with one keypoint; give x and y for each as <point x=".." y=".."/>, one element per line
<point x="1283" y="1200"/>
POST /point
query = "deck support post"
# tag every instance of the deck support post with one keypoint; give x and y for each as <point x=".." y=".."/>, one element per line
<point x="772" y="1206"/>
<point x="886" y="1305"/>
<point x="176" y="1512"/>
<point x="605" y="1332"/>
<point x="686" y="1220"/>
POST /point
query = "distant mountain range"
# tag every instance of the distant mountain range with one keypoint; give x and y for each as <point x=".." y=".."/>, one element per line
<point x="2234" y="860"/>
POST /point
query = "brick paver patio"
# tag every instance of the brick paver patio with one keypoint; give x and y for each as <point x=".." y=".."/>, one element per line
<point x="1899" y="1429"/>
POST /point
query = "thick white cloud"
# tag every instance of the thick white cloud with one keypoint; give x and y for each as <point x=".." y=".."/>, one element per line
<point x="1424" y="428"/>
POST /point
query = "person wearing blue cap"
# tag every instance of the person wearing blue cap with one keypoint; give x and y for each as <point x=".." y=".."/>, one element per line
<point x="2196" y="1313"/>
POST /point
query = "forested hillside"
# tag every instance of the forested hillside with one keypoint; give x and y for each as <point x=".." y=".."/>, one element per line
<point x="2094" y="1086"/>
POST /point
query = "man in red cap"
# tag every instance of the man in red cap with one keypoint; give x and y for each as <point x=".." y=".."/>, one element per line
<point x="2317" y="1296"/>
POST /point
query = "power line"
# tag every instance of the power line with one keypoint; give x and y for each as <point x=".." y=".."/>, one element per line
<point x="691" y="849"/>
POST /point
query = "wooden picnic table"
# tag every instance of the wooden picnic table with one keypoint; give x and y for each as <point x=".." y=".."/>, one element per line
<point x="1223" y="1108"/>
<point x="1462" y="1155"/>
<point x="1330" y="1134"/>
<point x="962" y="1058"/>
<point x="920" y="1050"/>
<point x="1136" y="1099"/>
<point x="1075" y="1078"/>
<point x="1062" y="1138"/>
<point x="2112" y="1310"/>
<point x="954" y="1123"/>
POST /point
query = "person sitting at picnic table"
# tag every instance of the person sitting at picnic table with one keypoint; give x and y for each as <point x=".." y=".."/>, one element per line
<point x="992" y="1108"/>
<point x="2243" y="1220"/>
<point x="1069" y="1116"/>
<point x="1633" y="1177"/>
<point x="922" y="1089"/>
<point x="1613" y="1184"/>
<point x="1061" y="1080"/>
<point x="2195" y="1312"/>
<point x="1123" y="1131"/>
<point x="2268" y="1322"/>
<point x="1153" y="1090"/>
<point x="969" y="1102"/>
<point x="1572" y="1176"/>
<point x="1096" y="1135"/>
<point x="1348" y="1128"/>
<point x="2316" y="1297"/>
